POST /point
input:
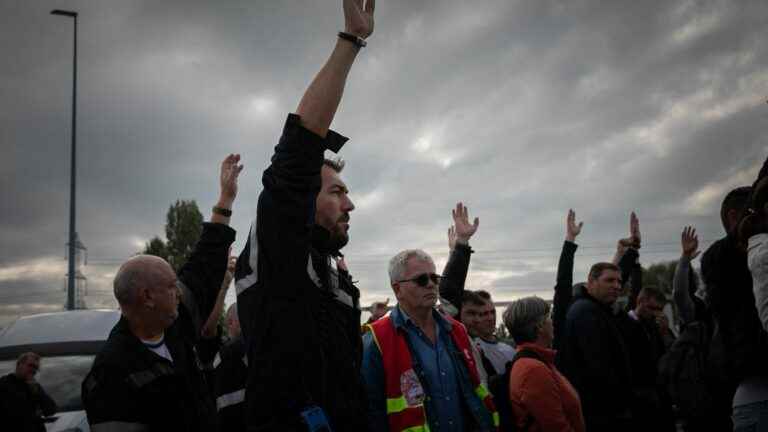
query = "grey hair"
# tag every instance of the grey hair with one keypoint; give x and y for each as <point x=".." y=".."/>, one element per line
<point x="398" y="262"/>
<point x="125" y="284"/>
<point x="523" y="318"/>
<point x="337" y="164"/>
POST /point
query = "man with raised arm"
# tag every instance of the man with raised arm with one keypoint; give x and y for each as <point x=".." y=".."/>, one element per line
<point x="455" y="271"/>
<point x="148" y="375"/>
<point x="300" y="317"/>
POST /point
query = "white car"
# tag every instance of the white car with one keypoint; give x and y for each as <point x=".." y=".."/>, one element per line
<point x="67" y="342"/>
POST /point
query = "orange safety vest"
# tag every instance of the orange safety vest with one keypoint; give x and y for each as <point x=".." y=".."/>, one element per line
<point x="404" y="393"/>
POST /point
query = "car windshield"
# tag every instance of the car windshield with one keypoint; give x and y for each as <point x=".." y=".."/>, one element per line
<point x="61" y="378"/>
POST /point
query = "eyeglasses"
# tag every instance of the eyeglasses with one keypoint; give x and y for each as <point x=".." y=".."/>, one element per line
<point x="423" y="279"/>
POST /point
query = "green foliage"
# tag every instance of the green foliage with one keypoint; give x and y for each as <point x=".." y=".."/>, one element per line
<point x="184" y="224"/>
<point x="660" y="275"/>
<point x="156" y="247"/>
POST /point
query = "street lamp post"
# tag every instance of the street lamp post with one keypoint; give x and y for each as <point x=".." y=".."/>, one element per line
<point x="72" y="234"/>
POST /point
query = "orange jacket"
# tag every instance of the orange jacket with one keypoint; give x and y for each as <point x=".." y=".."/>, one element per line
<point x="542" y="396"/>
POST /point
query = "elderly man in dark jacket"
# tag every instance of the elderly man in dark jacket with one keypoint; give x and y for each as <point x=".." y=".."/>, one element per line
<point x="593" y="355"/>
<point x="148" y="376"/>
<point x="300" y="315"/>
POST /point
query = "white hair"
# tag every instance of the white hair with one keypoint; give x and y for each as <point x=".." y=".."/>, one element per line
<point x="398" y="262"/>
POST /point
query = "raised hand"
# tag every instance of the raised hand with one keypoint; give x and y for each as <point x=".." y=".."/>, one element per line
<point x="463" y="229"/>
<point x="228" y="175"/>
<point x="572" y="229"/>
<point x="690" y="243"/>
<point x="358" y="17"/>
<point x="451" y="237"/>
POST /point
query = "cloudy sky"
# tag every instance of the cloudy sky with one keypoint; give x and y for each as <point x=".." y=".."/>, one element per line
<point x="519" y="108"/>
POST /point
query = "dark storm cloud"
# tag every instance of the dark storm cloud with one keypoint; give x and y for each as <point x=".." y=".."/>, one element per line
<point x="521" y="109"/>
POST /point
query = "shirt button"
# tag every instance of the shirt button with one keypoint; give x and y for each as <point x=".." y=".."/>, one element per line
<point x="447" y="398"/>
<point x="442" y="373"/>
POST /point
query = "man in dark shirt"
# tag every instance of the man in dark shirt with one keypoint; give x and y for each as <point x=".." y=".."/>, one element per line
<point x="148" y="376"/>
<point x="300" y="315"/>
<point x="593" y="355"/>
<point x="22" y="399"/>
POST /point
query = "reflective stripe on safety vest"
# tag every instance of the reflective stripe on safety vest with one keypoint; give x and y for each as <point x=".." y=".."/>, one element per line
<point x="404" y="393"/>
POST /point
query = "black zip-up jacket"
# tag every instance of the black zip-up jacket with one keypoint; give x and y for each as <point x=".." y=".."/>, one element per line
<point x="130" y="388"/>
<point x="595" y="360"/>
<point x="300" y="318"/>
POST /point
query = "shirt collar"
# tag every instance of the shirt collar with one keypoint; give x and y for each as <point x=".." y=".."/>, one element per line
<point x="400" y="319"/>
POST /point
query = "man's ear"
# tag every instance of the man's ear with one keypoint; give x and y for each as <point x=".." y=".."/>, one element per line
<point x="145" y="297"/>
<point x="396" y="289"/>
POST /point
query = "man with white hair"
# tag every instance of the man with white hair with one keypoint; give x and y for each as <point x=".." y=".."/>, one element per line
<point x="418" y="366"/>
<point x="148" y="376"/>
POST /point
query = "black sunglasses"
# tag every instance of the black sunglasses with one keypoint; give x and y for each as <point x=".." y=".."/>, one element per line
<point x="423" y="279"/>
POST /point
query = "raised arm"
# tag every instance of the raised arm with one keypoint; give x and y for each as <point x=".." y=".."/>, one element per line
<point x="628" y="259"/>
<point x="200" y="277"/>
<point x="455" y="272"/>
<point x="564" y="285"/>
<point x="209" y="329"/>
<point x="318" y="106"/>
<point x="681" y="294"/>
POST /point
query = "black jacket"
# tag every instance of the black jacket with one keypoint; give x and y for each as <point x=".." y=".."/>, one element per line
<point x="21" y="405"/>
<point x="300" y="318"/>
<point x="594" y="358"/>
<point x="130" y="386"/>
<point x="455" y="272"/>
<point x="563" y="297"/>
<point x="231" y="373"/>
<point x="738" y="348"/>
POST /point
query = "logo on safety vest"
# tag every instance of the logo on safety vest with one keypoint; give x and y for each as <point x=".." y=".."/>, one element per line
<point x="411" y="388"/>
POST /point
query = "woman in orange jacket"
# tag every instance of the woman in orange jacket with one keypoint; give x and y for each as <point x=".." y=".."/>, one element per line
<point x="542" y="398"/>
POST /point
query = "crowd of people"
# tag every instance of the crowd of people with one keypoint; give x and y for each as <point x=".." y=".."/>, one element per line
<point x="601" y="356"/>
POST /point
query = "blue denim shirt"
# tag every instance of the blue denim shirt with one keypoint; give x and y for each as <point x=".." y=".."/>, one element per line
<point x="449" y="392"/>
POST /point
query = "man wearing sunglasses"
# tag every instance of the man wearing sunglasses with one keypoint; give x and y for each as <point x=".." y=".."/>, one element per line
<point x="418" y="366"/>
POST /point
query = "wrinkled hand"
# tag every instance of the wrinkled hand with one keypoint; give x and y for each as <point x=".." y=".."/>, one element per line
<point x="690" y="243"/>
<point x="358" y="18"/>
<point x="572" y="229"/>
<point x="230" y="171"/>
<point x="463" y="229"/>
<point x="379" y="309"/>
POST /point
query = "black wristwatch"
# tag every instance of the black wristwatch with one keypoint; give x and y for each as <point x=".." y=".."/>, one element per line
<point x="222" y="211"/>
<point x="357" y="40"/>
